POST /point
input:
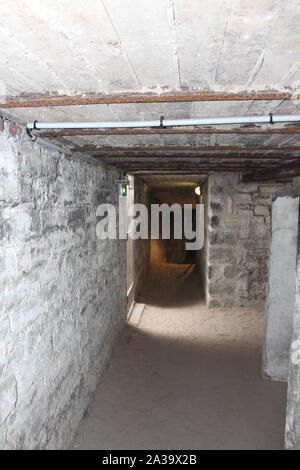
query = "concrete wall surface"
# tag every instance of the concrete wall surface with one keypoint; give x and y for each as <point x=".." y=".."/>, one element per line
<point x="63" y="291"/>
<point x="292" y="431"/>
<point x="280" y="303"/>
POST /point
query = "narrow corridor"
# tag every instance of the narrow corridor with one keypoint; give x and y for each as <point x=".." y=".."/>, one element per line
<point x="187" y="377"/>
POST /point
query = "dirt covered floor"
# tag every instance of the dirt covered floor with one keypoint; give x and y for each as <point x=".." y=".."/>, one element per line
<point x="186" y="377"/>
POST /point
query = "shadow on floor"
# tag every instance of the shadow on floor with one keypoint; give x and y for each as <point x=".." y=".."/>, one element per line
<point x="172" y="285"/>
<point x="187" y="377"/>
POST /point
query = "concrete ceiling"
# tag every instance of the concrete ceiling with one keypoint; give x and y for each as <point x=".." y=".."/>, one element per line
<point x="76" y="47"/>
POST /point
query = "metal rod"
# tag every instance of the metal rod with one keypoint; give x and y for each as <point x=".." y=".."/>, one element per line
<point x="183" y="148"/>
<point x="175" y="131"/>
<point x="44" y="100"/>
<point x="270" y="176"/>
<point x="47" y="144"/>
<point x="161" y="157"/>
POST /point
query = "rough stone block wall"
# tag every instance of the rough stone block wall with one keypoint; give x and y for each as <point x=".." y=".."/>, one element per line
<point x="63" y="291"/>
<point x="238" y="238"/>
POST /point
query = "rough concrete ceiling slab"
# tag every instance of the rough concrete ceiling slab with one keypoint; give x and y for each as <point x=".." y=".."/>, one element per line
<point x="114" y="46"/>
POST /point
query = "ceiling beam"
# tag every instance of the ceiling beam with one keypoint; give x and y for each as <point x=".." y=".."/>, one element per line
<point x="45" y="100"/>
<point x="200" y="170"/>
<point x="196" y="167"/>
<point x="165" y="171"/>
<point x="270" y="176"/>
<point x="171" y="156"/>
<point x="217" y="166"/>
<point x="194" y="131"/>
<point x="179" y="161"/>
<point x="287" y="171"/>
<point x="196" y="173"/>
<point x="184" y="148"/>
<point x="195" y="163"/>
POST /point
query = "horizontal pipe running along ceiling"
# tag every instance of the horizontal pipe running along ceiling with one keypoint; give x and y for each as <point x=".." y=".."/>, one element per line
<point x="271" y="119"/>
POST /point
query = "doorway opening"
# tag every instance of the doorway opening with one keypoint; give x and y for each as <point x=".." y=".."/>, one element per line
<point x="130" y="246"/>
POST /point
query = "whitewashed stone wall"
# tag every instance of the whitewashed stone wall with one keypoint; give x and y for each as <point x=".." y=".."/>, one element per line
<point x="238" y="239"/>
<point x="63" y="291"/>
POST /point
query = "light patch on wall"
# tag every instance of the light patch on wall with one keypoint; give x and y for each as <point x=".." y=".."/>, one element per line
<point x="295" y="352"/>
<point x="229" y="205"/>
<point x="3" y="92"/>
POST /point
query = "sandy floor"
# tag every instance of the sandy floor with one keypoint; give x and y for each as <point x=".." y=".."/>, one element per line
<point x="186" y="377"/>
